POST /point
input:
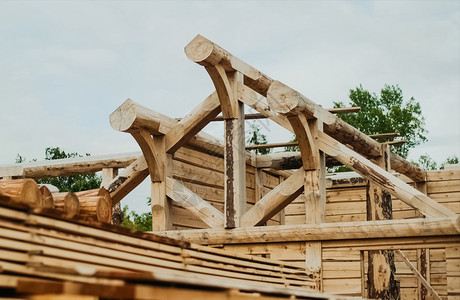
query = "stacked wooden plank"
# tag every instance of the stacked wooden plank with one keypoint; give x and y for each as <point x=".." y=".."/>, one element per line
<point x="40" y="248"/>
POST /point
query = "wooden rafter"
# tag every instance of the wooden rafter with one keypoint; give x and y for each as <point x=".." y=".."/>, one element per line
<point x="382" y="178"/>
<point x="192" y="123"/>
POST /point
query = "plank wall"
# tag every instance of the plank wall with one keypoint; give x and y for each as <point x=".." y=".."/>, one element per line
<point x="203" y="174"/>
<point x="345" y="264"/>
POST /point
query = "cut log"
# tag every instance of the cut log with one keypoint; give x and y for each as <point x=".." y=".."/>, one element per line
<point x="46" y="197"/>
<point x="67" y="202"/>
<point x="96" y="204"/>
<point x="21" y="191"/>
<point x="206" y="53"/>
<point x="130" y="117"/>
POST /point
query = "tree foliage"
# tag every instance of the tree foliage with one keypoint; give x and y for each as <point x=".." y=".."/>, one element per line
<point x="427" y="163"/>
<point x="133" y="220"/>
<point x="74" y="183"/>
<point x="387" y="113"/>
<point x="257" y="138"/>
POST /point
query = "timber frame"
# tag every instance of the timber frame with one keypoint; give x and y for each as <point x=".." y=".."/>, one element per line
<point x="322" y="138"/>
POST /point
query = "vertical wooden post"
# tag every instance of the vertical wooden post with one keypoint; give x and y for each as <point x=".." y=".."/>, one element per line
<point x="423" y="266"/>
<point x="117" y="213"/>
<point x="381" y="268"/>
<point x="234" y="157"/>
<point x="235" y="169"/>
<point x="160" y="205"/>
<point x="315" y="204"/>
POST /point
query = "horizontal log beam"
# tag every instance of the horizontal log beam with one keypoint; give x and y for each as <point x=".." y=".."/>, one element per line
<point x="393" y="229"/>
<point x="273" y="145"/>
<point x="340" y="110"/>
<point x="130" y="117"/>
<point x="69" y="166"/>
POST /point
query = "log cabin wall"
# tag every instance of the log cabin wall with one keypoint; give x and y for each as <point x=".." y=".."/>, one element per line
<point x="345" y="262"/>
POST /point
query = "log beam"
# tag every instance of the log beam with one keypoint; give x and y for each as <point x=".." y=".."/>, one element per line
<point x="192" y="123"/>
<point x="391" y="229"/>
<point x="206" y="53"/>
<point x="193" y="203"/>
<point x="382" y="178"/>
<point x="275" y="200"/>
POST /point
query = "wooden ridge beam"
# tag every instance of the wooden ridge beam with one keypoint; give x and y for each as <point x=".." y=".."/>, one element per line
<point x="275" y="200"/>
<point x="194" y="203"/>
<point x="206" y="53"/>
<point x="391" y="229"/>
<point x="382" y="178"/>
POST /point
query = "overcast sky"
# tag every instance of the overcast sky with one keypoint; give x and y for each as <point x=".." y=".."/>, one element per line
<point x="66" y="65"/>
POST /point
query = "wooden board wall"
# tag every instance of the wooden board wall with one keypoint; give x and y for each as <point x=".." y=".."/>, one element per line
<point x="344" y="265"/>
<point x="203" y="174"/>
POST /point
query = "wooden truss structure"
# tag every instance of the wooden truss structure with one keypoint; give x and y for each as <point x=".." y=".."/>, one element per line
<point x="322" y="138"/>
<point x="319" y="133"/>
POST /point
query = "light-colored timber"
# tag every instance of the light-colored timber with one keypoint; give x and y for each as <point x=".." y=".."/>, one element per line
<point x="21" y="191"/>
<point x="67" y="202"/>
<point x="95" y="203"/>
<point x="46" y="197"/>
<point x="323" y="232"/>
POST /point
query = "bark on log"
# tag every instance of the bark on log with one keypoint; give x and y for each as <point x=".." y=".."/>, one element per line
<point x="21" y="191"/>
<point x="67" y="202"/>
<point x="46" y="197"/>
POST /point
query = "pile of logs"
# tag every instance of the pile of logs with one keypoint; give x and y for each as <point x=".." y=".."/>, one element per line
<point x="42" y="252"/>
<point x="94" y="204"/>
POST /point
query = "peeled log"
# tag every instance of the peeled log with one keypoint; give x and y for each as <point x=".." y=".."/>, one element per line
<point x="96" y="203"/>
<point x="21" y="191"/>
<point x="286" y="101"/>
<point x="130" y="117"/>
<point x="46" y="197"/>
<point x="67" y="202"/>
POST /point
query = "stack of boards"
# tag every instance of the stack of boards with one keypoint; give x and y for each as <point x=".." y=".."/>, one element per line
<point x="93" y="204"/>
<point x="43" y="253"/>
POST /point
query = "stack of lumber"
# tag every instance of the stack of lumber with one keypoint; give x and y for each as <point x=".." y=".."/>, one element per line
<point x="93" y="204"/>
<point x="43" y="253"/>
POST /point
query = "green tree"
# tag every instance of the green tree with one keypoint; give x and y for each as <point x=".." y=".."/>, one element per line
<point x="257" y="138"/>
<point x="387" y="113"/>
<point x="74" y="183"/>
<point x="427" y="163"/>
<point x="133" y="220"/>
<point x="451" y="160"/>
